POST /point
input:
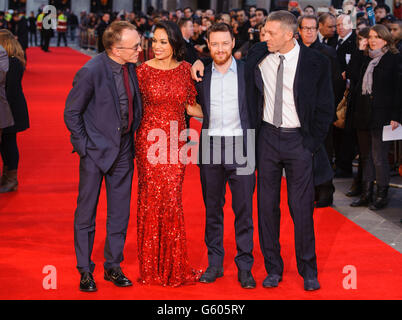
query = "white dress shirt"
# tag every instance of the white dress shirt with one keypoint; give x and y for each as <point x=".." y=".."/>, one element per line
<point x="269" y="70"/>
<point x="224" y="118"/>
<point x="343" y="39"/>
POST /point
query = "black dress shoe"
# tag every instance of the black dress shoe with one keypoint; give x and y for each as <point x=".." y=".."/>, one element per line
<point x="355" y="189"/>
<point x="381" y="200"/>
<point x="87" y="283"/>
<point x="211" y="274"/>
<point x="272" y="281"/>
<point x="366" y="198"/>
<point x="325" y="203"/>
<point x="246" y="279"/>
<point x="311" y="284"/>
<point x="118" y="278"/>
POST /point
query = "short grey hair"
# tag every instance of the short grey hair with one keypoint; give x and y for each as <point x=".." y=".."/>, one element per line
<point x="285" y="18"/>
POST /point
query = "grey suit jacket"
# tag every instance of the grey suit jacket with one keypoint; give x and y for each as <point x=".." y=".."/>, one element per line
<point x="6" y="117"/>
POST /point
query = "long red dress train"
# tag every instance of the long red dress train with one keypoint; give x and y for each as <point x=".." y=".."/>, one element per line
<point x="162" y="248"/>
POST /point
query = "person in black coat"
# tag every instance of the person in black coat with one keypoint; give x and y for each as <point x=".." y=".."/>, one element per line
<point x="344" y="142"/>
<point x="187" y="30"/>
<point x="19" y="27"/>
<point x="302" y="153"/>
<point x="72" y="22"/>
<point x="376" y="102"/>
<point x="33" y="39"/>
<point x="16" y="99"/>
<point x="305" y="160"/>
<point x="101" y="30"/>
<point x="308" y="31"/>
<point x="396" y="31"/>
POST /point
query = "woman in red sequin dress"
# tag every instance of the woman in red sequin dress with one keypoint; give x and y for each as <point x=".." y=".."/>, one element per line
<point x="167" y="90"/>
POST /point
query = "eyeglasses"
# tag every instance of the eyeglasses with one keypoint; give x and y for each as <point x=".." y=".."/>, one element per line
<point x="135" y="48"/>
<point x="310" y="29"/>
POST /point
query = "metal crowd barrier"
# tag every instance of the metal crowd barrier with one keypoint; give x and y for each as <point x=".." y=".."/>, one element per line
<point x="88" y="39"/>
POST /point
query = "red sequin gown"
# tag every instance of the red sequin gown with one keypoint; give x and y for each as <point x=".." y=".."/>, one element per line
<point x="162" y="249"/>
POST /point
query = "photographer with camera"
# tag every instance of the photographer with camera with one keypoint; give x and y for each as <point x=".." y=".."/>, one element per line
<point x="253" y="38"/>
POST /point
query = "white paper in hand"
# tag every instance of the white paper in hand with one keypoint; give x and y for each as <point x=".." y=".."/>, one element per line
<point x="389" y="135"/>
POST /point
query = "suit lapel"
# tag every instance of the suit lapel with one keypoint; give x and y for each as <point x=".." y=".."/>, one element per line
<point x="112" y="84"/>
<point x="134" y="79"/>
<point x="257" y="72"/>
<point x="207" y="89"/>
<point x="240" y="87"/>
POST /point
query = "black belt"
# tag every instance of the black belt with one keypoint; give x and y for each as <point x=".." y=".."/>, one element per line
<point x="280" y="129"/>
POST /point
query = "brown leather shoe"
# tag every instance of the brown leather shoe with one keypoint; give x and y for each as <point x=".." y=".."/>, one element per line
<point x="10" y="182"/>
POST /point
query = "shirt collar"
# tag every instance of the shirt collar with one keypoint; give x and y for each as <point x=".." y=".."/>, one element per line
<point x="116" y="67"/>
<point x="346" y="37"/>
<point x="320" y="36"/>
<point x="233" y="66"/>
<point x="292" y="53"/>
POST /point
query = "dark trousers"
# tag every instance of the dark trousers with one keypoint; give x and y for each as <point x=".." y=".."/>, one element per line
<point x="345" y="149"/>
<point x="42" y="38"/>
<point x="277" y="150"/>
<point x="33" y="39"/>
<point x="118" y="190"/>
<point x="214" y="178"/>
<point x="73" y="33"/>
<point x="374" y="156"/>
<point x="60" y="36"/>
<point x="327" y="189"/>
<point x="46" y="40"/>
<point x="9" y="150"/>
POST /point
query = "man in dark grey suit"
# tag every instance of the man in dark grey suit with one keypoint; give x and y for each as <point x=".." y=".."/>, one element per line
<point x="103" y="110"/>
<point x="225" y="131"/>
<point x="290" y="85"/>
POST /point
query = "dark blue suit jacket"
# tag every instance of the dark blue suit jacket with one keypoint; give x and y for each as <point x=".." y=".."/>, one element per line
<point x="92" y="112"/>
<point x="204" y="96"/>
<point x="314" y="99"/>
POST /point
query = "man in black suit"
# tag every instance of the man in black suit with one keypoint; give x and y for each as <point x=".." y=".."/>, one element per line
<point x="290" y="85"/>
<point x="19" y="27"/>
<point x="226" y="136"/>
<point x="101" y="29"/>
<point x="327" y="29"/>
<point x="187" y="30"/>
<point x="103" y="110"/>
<point x="344" y="141"/>
<point x="308" y="31"/>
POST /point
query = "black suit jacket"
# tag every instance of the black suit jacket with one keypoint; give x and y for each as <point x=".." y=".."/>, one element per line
<point x="191" y="53"/>
<point x="204" y="96"/>
<point x="338" y="83"/>
<point x="348" y="47"/>
<point x="92" y="112"/>
<point x="314" y="99"/>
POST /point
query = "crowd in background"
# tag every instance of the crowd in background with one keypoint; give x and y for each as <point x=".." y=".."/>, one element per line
<point x="338" y="40"/>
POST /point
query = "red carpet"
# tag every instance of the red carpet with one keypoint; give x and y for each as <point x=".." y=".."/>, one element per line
<point x="36" y="223"/>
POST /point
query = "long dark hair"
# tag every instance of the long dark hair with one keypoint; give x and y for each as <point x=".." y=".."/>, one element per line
<point x="175" y="38"/>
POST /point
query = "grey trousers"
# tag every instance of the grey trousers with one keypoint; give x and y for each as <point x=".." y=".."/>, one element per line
<point x="374" y="156"/>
